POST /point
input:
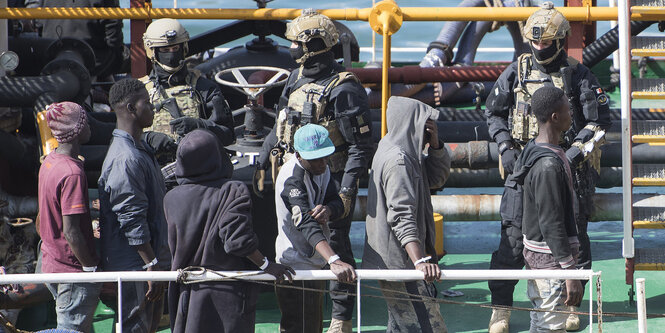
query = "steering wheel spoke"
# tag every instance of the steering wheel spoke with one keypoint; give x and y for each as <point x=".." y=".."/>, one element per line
<point x="252" y="90"/>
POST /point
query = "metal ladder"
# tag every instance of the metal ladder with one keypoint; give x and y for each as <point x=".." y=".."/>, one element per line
<point x="646" y="131"/>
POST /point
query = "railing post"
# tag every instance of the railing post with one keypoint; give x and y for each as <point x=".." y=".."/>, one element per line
<point x="118" y="325"/>
<point x="385" y="19"/>
<point x="641" y="305"/>
<point x="358" y="303"/>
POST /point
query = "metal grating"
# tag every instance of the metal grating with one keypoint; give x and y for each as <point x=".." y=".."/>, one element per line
<point x="649" y="175"/>
<point x="648" y="85"/>
<point x="648" y="127"/>
<point x="648" y="3"/>
<point x="638" y="42"/>
<point x="649" y="217"/>
<point x="650" y="259"/>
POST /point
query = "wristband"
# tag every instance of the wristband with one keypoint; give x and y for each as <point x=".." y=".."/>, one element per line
<point x="265" y="264"/>
<point x="89" y="268"/>
<point x="422" y="260"/>
<point x="150" y="264"/>
<point x="333" y="258"/>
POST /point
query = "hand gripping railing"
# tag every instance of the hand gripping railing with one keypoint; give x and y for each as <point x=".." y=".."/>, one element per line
<point x="363" y="274"/>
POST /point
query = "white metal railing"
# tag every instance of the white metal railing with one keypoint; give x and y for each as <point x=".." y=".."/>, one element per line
<point x="628" y="243"/>
<point x="363" y="274"/>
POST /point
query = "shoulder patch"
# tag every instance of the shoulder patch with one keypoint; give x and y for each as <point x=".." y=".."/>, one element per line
<point x="601" y="97"/>
<point x="295" y="193"/>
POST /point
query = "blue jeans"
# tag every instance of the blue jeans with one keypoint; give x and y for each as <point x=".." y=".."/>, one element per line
<point x="75" y="304"/>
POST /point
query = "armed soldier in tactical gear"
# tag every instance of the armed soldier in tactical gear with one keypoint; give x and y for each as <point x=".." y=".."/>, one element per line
<point x="183" y="99"/>
<point x="320" y="92"/>
<point x="512" y="123"/>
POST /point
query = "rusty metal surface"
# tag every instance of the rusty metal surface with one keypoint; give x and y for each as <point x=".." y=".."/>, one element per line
<point x="417" y="74"/>
<point x="607" y="206"/>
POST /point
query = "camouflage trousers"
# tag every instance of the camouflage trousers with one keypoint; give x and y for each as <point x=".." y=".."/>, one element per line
<point x="414" y="315"/>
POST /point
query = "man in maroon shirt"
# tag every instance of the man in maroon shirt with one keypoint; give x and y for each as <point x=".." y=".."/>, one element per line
<point x="66" y="227"/>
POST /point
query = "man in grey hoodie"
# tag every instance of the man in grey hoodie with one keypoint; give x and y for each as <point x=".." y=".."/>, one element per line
<point x="409" y="161"/>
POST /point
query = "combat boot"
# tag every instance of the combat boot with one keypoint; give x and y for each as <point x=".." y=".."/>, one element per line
<point x="499" y="321"/>
<point x="573" y="320"/>
<point x="340" y="326"/>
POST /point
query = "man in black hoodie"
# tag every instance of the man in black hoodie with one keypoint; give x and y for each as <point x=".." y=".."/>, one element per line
<point x="321" y="92"/>
<point x="549" y="210"/>
<point x="511" y="122"/>
<point x="210" y="225"/>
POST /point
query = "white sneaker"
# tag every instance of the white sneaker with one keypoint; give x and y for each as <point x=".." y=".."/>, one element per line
<point x="499" y="321"/>
<point x="573" y="320"/>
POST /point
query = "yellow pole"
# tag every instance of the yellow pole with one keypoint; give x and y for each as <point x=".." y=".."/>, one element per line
<point x="385" y="19"/>
<point x="586" y="14"/>
<point x="385" y="86"/>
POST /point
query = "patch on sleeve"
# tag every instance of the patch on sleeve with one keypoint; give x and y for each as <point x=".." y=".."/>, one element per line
<point x="296" y="215"/>
<point x="295" y="193"/>
<point x="601" y="98"/>
<point x="400" y="159"/>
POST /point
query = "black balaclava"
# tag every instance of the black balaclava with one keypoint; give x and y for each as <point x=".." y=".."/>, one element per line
<point x="171" y="59"/>
<point x="320" y="64"/>
<point x="554" y="56"/>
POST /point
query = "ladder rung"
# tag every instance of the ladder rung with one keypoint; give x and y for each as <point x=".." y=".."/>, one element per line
<point x="648" y="131"/>
<point x="648" y="138"/>
<point x="641" y="224"/>
<point x="647" y="52"/>
<point x="649" y="259"/>
<point x="648" y="94"/>
<point x="649" y="175"/>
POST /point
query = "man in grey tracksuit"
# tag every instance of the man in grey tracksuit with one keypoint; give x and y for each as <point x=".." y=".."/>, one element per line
<point x="409" y="161"/>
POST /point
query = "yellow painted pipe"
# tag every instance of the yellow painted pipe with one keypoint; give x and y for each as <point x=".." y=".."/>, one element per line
<point x="385" y="86"/>
<point x="348" y="14"/>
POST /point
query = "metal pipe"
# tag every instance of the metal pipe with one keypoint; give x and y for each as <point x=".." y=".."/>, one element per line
<point x="417" y="74"/>
<point x="301" y="275"/>
<point x="17" y="206"/>
<point x="624" y="18"/>
<point x="584" y="14"/>
<point x="641" y="305"/>
<point x="486" y="207"/>
<point x="385" y="86"/>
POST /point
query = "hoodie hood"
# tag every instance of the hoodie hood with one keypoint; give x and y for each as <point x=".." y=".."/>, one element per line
<point x="406" y="119"/>
<point x="200" y="159"/>
<point x="528" y="157"/>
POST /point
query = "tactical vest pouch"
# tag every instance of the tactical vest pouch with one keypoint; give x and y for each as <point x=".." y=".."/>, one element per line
<point x="336" y="161"/>
<point x="521" y="122"/>
<point x="511" y="204"/>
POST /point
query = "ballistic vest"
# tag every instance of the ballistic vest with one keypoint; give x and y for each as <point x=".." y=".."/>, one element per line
<point x="189" y="101"/>
<point x="307" y="104"/>
<point x="524" y="125"/>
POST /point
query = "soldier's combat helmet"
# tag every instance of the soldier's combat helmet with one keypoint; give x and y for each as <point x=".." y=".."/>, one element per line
<point x="547" y="24"/>
<point x="308" y="26"/>
<point x="165" y="32"/>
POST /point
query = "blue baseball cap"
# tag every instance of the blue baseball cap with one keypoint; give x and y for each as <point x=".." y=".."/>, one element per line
<point x="311" y="142"/>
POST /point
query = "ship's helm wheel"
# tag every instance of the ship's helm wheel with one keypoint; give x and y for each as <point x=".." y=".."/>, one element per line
<point x="252" y="90"/>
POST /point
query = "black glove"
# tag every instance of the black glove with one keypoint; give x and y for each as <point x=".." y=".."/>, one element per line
<point x="221" y="112"/>
<point x="508" y="159"/>
<point x="184" y="125"/>
<point x="575" y="156"/>
<point x="160" y="142"/>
